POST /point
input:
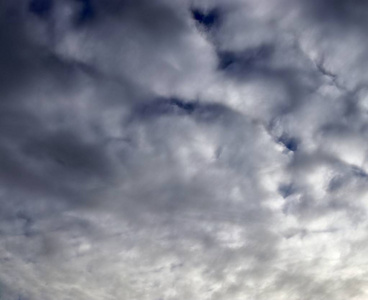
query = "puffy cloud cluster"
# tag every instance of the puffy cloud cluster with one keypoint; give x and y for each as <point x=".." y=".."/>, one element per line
<point x="169" y="150"/>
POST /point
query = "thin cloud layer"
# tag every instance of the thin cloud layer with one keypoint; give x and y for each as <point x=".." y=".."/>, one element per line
<point x="169" y="150"/>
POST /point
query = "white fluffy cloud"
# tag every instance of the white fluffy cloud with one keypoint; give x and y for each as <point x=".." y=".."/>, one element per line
<point x="169" y="150"/>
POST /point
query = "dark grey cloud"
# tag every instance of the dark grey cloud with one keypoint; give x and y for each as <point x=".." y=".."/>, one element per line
<point x="183" y="149"/>
<point x="338" y="12"/>
<point x="247" y="59"/>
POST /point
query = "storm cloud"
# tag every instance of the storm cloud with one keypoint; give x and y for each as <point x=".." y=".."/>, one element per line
<point x="194" y="149"/>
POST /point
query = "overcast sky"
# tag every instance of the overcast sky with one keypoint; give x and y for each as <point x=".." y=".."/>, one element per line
<point x="183" y="150"/>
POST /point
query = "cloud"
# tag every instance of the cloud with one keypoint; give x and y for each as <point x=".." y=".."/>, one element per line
<point x="183" y="150"/>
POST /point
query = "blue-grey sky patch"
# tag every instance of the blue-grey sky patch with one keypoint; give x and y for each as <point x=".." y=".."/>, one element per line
<point x="41" y="8"/>
<point x="86" y="12"/>
<point x="290" y="143"/>
<point x="207" y="19"/>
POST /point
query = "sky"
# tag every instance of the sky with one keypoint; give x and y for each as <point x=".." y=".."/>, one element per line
<point x="183" y="150"/>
